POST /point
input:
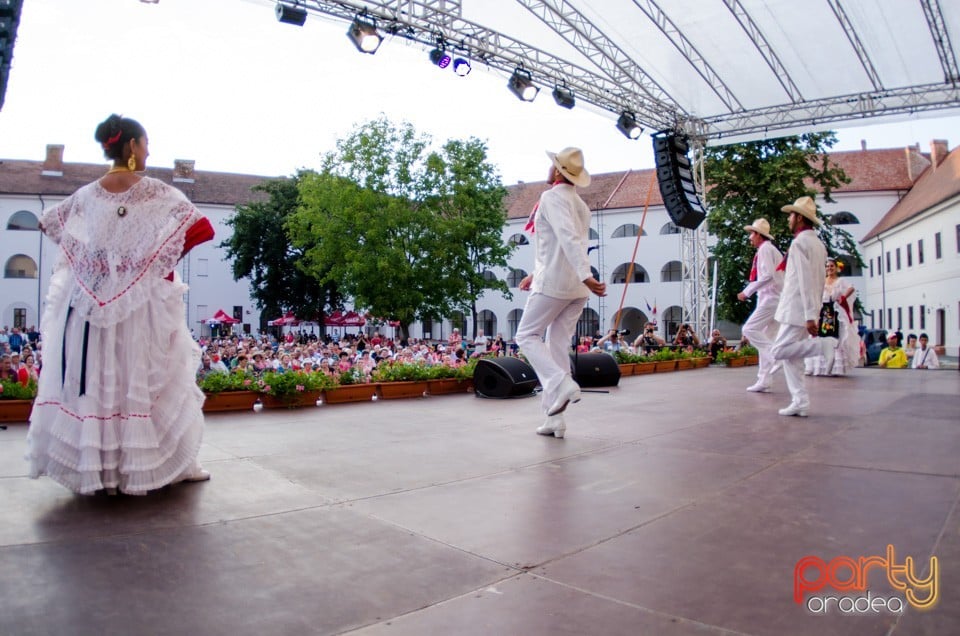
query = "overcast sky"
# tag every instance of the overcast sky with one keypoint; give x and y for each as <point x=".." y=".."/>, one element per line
<point x="223" y="83"/>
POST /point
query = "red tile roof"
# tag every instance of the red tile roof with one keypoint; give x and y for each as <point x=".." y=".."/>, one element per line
<point x="934" y="186"/>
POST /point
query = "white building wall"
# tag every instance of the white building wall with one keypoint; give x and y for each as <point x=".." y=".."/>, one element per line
<point x="927" y="291"/>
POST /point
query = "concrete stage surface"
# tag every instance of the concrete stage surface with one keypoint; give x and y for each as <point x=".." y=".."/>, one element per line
<point x="677" y="504"/>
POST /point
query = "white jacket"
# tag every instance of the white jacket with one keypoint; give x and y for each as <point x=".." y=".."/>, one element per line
<point x="561" y="231"/>
<point x="802" y="294"/>
<point x="769" y="281"/>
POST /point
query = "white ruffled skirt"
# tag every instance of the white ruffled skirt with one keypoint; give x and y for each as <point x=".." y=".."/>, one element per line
<point x="131" y="417"/>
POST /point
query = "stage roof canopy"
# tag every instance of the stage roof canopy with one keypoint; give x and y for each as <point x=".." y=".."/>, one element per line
<point x="720" y="70"/>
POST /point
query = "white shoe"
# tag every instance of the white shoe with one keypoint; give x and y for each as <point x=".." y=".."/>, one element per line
<point x="198" y="475"/>
<point x="554" y="425"/>
<point x="569" y="392"/>
<point x="794" y="409"/>
<point x="759" y="388"/>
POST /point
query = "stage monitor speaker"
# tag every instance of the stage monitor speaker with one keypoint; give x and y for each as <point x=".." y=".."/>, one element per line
<point x="594" y="369"/>
<point x="504" y="378"/>
<point x="675" y="177"/>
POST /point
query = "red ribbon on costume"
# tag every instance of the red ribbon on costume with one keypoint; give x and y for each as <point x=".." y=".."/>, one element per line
<point x="530" y="227"/>
<point x="782" y="267"/>
<point x="846" y="307"/>
<point x="753" y="268"/>
<point x="112" y="140"/>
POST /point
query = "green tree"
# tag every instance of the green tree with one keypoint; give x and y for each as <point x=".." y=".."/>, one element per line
<point x="261" y="251"/>
<point x="468" y="196"/>
<point x="752" y="180"/>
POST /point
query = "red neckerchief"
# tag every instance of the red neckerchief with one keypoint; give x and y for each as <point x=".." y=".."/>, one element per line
<point x="753" y="268"/>
<point x="530" y="226"/>
<point x="783" y="264"/>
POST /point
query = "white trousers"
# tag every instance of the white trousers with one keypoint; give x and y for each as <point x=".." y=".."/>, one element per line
<point x="760" y="329"/>
<point x="545" y="337"/>
<point x="792" y="345"/>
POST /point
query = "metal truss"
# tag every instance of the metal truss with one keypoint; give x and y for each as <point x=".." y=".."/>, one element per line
<point x="608" y="77"/>
<point x="941" y="40"/>
<point x="694" y="256"/>
<point x="855" y="42"/>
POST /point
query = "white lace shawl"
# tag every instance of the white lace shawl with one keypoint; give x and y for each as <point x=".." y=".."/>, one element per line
<point x="117" y="260"/>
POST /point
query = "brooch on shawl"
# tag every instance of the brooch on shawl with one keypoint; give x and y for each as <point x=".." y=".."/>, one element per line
<point x="121" y="211"/>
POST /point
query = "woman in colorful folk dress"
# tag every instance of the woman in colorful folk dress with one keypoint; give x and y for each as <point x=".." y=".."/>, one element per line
<point x="117" y="407"/>
<point x="839" y="338"/>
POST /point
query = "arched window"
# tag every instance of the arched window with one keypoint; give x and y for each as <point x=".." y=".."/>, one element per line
<point x="620" y="274"/>
<point x="627" y="229"/>
<point x="843" y="218"/>
<point x="487" y="321"/>
<point x="589" y="322"/>
<point x="513" y="321"/>
<point x="23" y="220"/>
<point x="514" y="277"/>
<point x="488" y="275"/>
<point x="20" y="266"/>
<point x="458" y="320"/>
<point x="517" y="239"/>
<point x="850" y="267"/>
<point x="672" y="272"/>
<point x="593" y="234"/>
<point x="669" y="228"/>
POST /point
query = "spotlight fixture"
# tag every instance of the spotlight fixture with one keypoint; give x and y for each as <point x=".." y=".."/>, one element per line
<point x="364" y="36"/>
<point x="564" y="97"/>
<point x="521" y="84"/>
<point x="627" y="124"/>
<point x="461" y="66"/>
<point x="291" y="14"/>
<point x="440" y="57"/>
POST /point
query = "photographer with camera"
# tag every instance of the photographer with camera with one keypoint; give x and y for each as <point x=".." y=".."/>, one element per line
<point x="648" y="341"/>
<point x="613" y="341"/>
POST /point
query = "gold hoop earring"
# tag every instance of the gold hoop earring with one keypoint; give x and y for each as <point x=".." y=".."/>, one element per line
<point x="132" y="163"/>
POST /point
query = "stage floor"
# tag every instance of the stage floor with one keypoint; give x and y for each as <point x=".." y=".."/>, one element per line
<point x="677" y="504"/>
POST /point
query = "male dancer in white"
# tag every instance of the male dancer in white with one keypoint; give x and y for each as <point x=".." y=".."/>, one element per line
<point x="767" y="282"/>
<point x="800" y="301"/>
<point x="561" y="283"/>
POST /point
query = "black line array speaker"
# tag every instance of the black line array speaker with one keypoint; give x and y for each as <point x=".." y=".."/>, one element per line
<point x="595" y="369"/>
<point x="675" y="176"/>
<point x="503" y="378"/>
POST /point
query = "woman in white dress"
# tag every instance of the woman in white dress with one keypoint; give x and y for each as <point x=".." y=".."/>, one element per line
<point x="117" y="405"/>
<point x="838" y="335"/>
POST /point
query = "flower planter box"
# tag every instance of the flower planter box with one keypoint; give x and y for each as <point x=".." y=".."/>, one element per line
<point x="399" y="390"/>
<point x="446" y="386"/>
<point x="627" y="369"/>
<point x="700" y="363"/>
<point x="751" y="360"/>
<point x="229" y="401"/>
<point x="292" y="401"/>
<point x="736" y="362"/>
<point x="684" y="364"/>
<point x="665" y="365"/>
<point x="350" y="393"/>
<point x="643" y="368"/>
<point x="15" y="410"/>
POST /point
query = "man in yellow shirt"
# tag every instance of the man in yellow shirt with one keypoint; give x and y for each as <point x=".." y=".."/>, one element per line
<point x="893" y="356"/>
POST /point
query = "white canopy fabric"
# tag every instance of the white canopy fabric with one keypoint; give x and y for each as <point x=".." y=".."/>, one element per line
<point x="718" y="70"/>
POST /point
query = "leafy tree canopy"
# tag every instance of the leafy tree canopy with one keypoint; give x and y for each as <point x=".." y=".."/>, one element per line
<point x="752" y="180"/>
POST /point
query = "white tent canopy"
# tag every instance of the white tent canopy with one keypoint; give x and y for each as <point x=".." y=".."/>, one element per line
<point x="719" y="70"/>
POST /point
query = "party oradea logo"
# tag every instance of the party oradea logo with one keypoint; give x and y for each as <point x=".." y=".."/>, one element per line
<point x="815" y="578"/>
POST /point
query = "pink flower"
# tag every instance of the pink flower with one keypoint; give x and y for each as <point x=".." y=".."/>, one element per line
<point x="266" y="388"/>
<point x="299" y="387"/>
<point x="1" y="388"/>
<point x="247" y="382"/>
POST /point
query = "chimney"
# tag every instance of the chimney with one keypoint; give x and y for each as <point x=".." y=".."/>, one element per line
<point x="53" y="164"/>
<point x="938" y="152"/>
<point x="183" y="170"/>
<point x="916" y="162"/>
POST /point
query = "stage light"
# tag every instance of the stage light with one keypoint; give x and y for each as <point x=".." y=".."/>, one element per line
<point x="291" y="14"/>
<point x="627" y="124"/>
<point x="521" y="84"/>
<point x="564" y="97"/>
<point x="461" y="66"/>
<point x="440" y="57"/>
<point x="364" y="36"/>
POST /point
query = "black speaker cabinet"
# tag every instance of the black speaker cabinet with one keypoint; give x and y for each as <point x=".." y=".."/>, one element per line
<point x="595" y="369"/>
<point x="504" y="378"/>
<point x="675" y="177"/>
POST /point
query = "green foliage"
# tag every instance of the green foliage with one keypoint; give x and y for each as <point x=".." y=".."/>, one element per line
<point x="287" y="384"/>
<point x="261" y="251"/>
<point x="400" y="372"/>
<point x="353" y="375"/>
<point x="13" y="390"/>
<point x="404" y="233"/>
<point x="217" y="382"/>
<point x="748" y="350"/>
<point x="753" y="180"/>
<point x="664" y="355"/>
